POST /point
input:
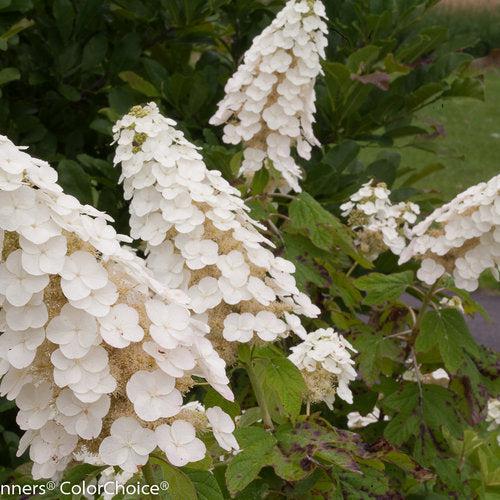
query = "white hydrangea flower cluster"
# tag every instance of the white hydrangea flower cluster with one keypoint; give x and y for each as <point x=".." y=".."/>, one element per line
<point x="270" y="100"/>
<point x="379" y="224"/>
<point x="461" y="238"/>
<point x="325" y="360"/>
<point x="95" y="352"/>
<point x="201" y="239"/>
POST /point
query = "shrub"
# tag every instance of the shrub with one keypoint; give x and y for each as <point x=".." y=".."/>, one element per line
<point x="381" y="391"/>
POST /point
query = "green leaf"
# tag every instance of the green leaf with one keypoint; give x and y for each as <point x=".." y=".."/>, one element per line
<point x="9" y="75"/>
<point x="376" y="356"/>
<point x="16" y="28"/>
<point x="257" y="445"/>
<point x="282" y="382"/>
<point x="447" y="329"/>
<point x="94" y="52"/>
<point x="75" y="180"/>
<point x="382" y="288"/>
<point x="362" y="59"/>
<point x="207" y="487"/>
<point x="323" y="228"/>
<point x="260" y="180"/>
<point x="426" y="408"/>
<point x="64" y="14"/>
<point x="180" y="485"/>
<point x="69" y="92"/>
<point x="138" y="83"/>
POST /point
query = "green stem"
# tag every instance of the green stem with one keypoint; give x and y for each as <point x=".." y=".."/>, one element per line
<point x="423" y="308"/>
<point x="259" y="396"/>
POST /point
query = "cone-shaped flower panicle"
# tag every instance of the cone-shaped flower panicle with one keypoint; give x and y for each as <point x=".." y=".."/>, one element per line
<point x="269" y="104"/>
<point x="199" y="237"/>
<point x="96" y="353"/>
<point x="461" y="238"/>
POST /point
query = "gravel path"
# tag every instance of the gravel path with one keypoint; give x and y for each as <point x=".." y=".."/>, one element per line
<point x="487" y="332"/>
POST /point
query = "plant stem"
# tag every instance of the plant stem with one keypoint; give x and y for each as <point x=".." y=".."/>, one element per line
<point x="423" y="308"/>
<point x="259" y="396"/>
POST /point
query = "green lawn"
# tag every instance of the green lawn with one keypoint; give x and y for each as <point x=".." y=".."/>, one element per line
<point x="472" y="141"/>
<point x="473" y="134"/>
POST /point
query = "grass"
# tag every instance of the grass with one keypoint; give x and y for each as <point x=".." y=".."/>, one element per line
<point x="472" y="131"/>
<point x="471" y="143"/>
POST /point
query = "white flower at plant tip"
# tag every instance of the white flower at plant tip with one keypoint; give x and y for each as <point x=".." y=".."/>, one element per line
<point x="179" y="443"/>
<point x="199" y="237"/>
<point x="34" y="405"/>
<point x="154" y="395"/>
<point x="121" y="326"/>
<point x="328" y="350"/>
<point x="269" y="104"/>
<point x="82" y="419"/>
<point x="430" y="271"/>
<point x="461" y="238"/>
<point x="378" y="223"/>
<point x="223" y="428"/>
<point x="74" y="331"/>
<point x="129" y="444"/>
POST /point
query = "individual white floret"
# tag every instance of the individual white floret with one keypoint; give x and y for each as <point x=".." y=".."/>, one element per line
<point x="171" y="324"/>
<point x="154" y="395"/>
<point x="19" y="348"/>
<point x="223" y="428"/>
<point x="179" y="443"/>
<point x="81" y="274"/>
<point x="34" y="403"/>
<point x="174" y="362"/>
<point x="121" y="326"/>
<point x="16" y="284"/>
<point x="50" y="450"/>
<point x="74" y="331"/>
<point x="128" y="446"/>
<point x="34" y="314"/>
<point x="82" y="419"/>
